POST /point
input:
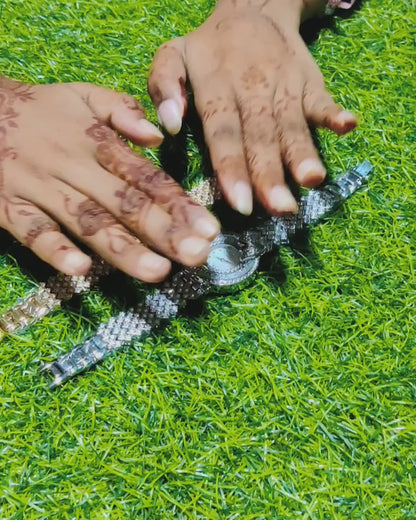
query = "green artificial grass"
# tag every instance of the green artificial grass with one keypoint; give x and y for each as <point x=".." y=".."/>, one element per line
<point x="293" y="399"/>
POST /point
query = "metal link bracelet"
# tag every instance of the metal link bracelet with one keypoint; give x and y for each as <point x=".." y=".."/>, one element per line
<point x="233" y="259"/>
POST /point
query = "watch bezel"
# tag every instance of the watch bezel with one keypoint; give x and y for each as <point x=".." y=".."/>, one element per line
<point x="234" y="276"/>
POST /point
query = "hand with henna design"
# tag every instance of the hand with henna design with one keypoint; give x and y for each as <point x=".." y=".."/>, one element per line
<point x="257" y="91"/>
<point x="63" y="164"/>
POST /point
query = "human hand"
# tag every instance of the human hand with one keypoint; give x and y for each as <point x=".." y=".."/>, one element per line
<point x="61" y="161"/>
<point x="257" y="90"/>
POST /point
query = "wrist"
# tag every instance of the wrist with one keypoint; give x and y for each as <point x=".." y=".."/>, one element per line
<point x="7" y="82"/>
<point x="290" y="12"/>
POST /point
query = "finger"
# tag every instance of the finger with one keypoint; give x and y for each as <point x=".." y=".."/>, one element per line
<point x="321" y="110"/>
<point x="37" y="231"/>
<point x="122" y="112"/>
<point x="262" y="149"/>
<point x="101" y="231"/>
<point x="166" y="85"/>
<point x="138" y="172"/>
<point x="222" y="130"/>
<point x="297" y="149"/>
<point x="119" y="203"/>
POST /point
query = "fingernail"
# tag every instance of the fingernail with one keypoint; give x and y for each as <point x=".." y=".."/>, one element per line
<point x="282" y="200"/>
<point x="151" y="132"/>
<point x="242" y="197"/>
<point x="208" y="228"/>
<point x="170" y="116"/>
<point x="194" y="249"/>
<point x="154" y="263"/>
<point x="310" y="172"/>
<point x="346" y="116"/>
<point x="347" y="120"/>
<point x="76" y="263"/>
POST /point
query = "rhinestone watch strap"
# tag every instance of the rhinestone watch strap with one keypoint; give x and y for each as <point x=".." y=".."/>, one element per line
<point x="189" y="284"/>
<point x="276" y="232"/>
<point x="158" y="307"/>
<point x="48" y="296"/>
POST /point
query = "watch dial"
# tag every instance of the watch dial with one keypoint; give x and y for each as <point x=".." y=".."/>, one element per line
<point x="227" y="264"/>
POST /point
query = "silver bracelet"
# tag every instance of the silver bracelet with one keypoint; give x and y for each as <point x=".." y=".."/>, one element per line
<point x="232" y="262"/>
<point x="48" y="296"/>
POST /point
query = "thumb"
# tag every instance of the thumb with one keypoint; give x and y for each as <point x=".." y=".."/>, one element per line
<point x="122" y="112"/>
<point x="166" y="85"/>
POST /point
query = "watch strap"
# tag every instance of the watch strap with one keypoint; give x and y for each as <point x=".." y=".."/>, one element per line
<point x="159" y="306"/>
<point x="189" y="284"/>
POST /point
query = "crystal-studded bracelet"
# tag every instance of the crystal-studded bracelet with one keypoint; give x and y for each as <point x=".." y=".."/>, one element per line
<point x="232" y="262"/>
<point x="60" y="287"/>
<point x="49" y="296"/>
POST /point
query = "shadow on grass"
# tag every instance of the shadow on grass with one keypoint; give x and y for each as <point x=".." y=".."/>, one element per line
<point x="311" y="28"/>
<point x="6" y="241"/>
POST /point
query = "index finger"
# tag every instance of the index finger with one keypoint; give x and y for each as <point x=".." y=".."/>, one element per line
<point x="120" y="160"/>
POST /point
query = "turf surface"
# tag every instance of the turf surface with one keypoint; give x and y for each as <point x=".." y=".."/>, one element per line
<point x="294" y="399"/>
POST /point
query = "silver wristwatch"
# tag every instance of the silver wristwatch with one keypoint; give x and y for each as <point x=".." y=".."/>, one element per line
<point x="233" y="260"/>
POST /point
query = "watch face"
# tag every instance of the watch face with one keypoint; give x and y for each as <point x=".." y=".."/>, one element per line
<point x="227" y="264"/>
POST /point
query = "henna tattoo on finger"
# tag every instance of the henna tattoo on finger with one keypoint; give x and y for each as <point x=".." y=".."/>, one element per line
<point x="253" y="162"/>
<point x="17" y="206"/>
<point x="224" y="131"/>
<point x="67" y="248"/>
<point x="6" y="152"/>
<point x="211" y="110"/>
<point x="284" y="103"/>
<point x="294" y="142"/>
<point x="119" y="239"/>
<point x="292" y="129"/>
<point x="119" y="159"/>
<point x="133" y="204"/>
<point x="229" y="166"/>
<point x="39" y="226"/>
<point x="166" y="54"/>
<point x="214" y="108"/>
<point x="258" y="122"/>
<point x="93" y="218"/>
<point x="133" y="104"/>
<point x="100" y="132"/>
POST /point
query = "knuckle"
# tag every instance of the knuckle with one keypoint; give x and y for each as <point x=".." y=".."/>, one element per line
<point x="294" y="142"/>
<point x="131" y="103"/>
<point x="154" y="88"/>
<point x="293" y="130"/>
<point x="224" y="131"/>
<point x="216" y="109"/>
<point x="38" y="226"/>
<point x="230" y="163"/>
